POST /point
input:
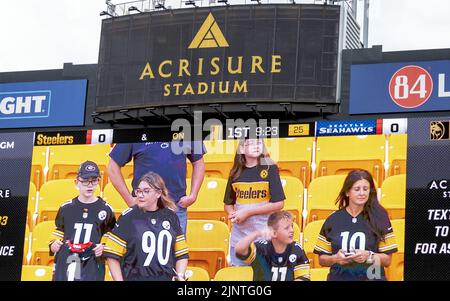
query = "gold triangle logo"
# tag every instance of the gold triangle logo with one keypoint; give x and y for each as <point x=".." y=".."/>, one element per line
<point x="209" y="35"/>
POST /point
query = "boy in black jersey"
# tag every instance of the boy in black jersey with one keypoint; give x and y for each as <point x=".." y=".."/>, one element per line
<point x="80" y="225"/>
<point x="278" y="259"/>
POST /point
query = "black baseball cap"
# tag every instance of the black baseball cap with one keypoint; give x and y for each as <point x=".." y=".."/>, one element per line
<point x="88" y="169"/>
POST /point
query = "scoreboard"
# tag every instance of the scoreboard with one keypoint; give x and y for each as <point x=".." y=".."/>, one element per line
<point x="423" y="148"/>
<point x="235" y="131"/>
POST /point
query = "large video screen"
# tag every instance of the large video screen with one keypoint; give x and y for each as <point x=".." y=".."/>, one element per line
<point x="406" y="158"/>
<point x="229" y="54"/>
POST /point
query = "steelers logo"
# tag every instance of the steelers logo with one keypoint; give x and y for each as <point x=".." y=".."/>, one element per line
<point x="102" y="215"/>
<point x="264" y="173"/>
<point x="293" y="258"/>
<point x="166" y="225"/>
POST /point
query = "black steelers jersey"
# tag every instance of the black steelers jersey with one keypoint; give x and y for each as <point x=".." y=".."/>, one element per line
<point x="269" y="266"/>
<point x="255" y="185"/>
<point x="342" y="231"/>
<point x="81" y="223"/>
<point x="147" y="243"/>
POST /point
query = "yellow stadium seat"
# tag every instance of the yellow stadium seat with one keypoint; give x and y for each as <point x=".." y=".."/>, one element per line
<point x="37" y="273"/>
<point x="128" y="170"/>
<point x="395" y="270"/>
<point x="41" y="236"/>
<point x="208" y="243"/>
<point x="293" y="156"/>
<point x="209" y="204"/>
<point x="196" y="274"/>
<point x="65" y="160"/>
<point x="319" y="274"/>
<point x="393" y="196"/>
<point x="293" y="190"/>
<point x="108" y="276"/>
<point x="244" y="273"/>
<point x="322" y="194"/>
<point x="339" y="155"/>
<point x="297" y="233"/>
<point x="26" y="245"/>
<point x="397" y="154"/>
<point x="218" y="159"/>
<point x="31" y="207"/>
<point x="310" y="235"/>
<point x="53" y="194"/>
<point x="113" y="198"/>
<point x="38" y="164"/>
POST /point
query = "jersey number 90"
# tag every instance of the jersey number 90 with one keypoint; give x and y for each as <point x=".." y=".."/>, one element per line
<point x="152" y="244"/>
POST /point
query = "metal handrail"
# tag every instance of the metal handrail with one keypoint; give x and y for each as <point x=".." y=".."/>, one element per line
<point x="121" y="9"/>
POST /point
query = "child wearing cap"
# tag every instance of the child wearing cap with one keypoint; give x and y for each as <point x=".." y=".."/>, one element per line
<point x="80" y="225"/>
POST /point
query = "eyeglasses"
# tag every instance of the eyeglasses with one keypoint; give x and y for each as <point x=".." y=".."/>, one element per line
<point x="87" y="182"/>
<point x="145" y="191"/>
<point x="253" y="142"/>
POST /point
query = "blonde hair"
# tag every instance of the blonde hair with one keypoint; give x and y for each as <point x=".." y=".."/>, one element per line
<point x="156" y="182"/>
<point x="277" y="216"/>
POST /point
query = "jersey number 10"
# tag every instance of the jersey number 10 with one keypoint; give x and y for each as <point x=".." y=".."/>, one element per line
<point x="347" y="245"/>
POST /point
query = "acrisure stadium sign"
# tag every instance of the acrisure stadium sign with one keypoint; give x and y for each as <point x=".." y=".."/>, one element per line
<point x="266" y="53"/>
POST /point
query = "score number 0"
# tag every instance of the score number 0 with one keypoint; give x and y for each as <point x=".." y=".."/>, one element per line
<point x="395" y="126"/>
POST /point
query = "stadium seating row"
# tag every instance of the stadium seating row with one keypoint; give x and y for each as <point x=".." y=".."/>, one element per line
<point x="306" y="205"/>
<point x="304" y="158"/>
<point x="44" y="273"/>
<point x="208" y="243"/>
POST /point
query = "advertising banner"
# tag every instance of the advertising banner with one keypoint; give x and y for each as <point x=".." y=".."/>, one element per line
<point x="42" y="104"/>
<point x="400" y="87"/>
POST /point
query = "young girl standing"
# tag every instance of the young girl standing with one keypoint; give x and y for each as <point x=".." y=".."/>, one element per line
<point x="254" y="191"/>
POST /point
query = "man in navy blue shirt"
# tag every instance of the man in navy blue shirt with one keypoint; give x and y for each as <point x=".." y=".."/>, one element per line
<point x="168" y="160"/>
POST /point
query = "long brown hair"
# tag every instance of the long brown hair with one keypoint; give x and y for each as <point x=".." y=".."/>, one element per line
<point x="239" y="160"/>
<point x="372" y="210"/>
<point x="156" y="182"/>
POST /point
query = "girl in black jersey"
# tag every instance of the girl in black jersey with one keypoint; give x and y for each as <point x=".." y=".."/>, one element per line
<point x="147" y="242"/>
<point x="357" y="240"/>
